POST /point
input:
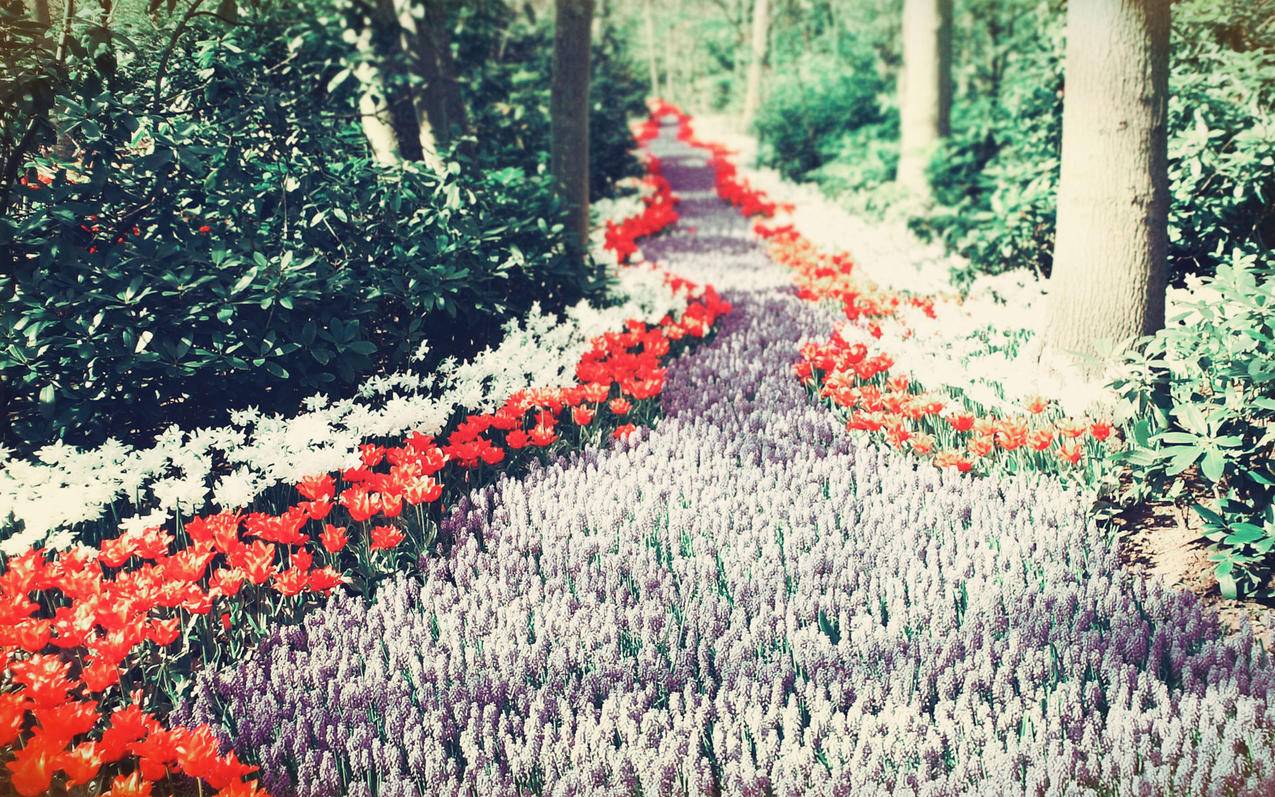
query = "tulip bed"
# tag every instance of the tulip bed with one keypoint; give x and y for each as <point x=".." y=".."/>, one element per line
<point x="874" y="394"/>
<point x="99" y="641"/>
<point x="744" y="600"/>
<point x="673" y="575"/>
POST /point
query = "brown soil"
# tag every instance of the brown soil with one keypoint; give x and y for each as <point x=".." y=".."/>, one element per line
<point x="1165" y="542"/>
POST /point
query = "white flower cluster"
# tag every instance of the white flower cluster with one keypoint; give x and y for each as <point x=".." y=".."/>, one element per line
<point x="64" y="486"/>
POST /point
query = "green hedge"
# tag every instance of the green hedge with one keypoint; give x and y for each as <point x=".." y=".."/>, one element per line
<point x="229" y="242"/>
<point x="815" y="106"/>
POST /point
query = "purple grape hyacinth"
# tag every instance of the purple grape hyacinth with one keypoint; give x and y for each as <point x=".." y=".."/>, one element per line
<point x="745" y="601"/>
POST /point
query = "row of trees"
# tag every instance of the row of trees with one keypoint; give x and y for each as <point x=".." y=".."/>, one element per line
<point x="416" y="119"/>
<point x="1110" y="251"/>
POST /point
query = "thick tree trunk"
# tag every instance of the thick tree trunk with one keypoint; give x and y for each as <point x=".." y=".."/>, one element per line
<point x="569" y="112"/>
<point x="42" y="14"/>
<point x="757" y="57"/>
<point x="925" y="96"/>
<point x="648" y="14"/>
<point x="1109" y="267"/>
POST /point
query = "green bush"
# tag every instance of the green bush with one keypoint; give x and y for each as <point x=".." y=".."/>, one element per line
<point x="1222" y="136"/>
<point x="811" y="106"/>
<point x="865" y="158"/>
<point x="229" y="242"/>
<point x="1204" y="390"/>
<point x="996" y="177"/>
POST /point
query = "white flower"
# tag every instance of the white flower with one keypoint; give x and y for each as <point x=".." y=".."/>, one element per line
<point x="235" y="490"/>
<point x="64" y="486"/>
<point x="142" y="522"/>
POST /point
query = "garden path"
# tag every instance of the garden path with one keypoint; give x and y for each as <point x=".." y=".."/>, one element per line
<point x="746" y="600"/>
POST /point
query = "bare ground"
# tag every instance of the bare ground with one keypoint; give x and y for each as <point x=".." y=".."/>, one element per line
<point x="1165" y="542"/>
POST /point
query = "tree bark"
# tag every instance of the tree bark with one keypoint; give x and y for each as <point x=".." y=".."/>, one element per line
<point x="1110" y="253"/>
<point x="374" y="111"/>
<point x="569" y="113"/>
<point x="400" y="107"/>
<point x="440" y="106"/>
<point x="925" y="96"/>
<point x="648" y="14"/>
<point x="752" y="86"/>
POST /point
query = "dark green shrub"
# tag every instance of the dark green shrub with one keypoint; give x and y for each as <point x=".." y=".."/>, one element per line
<point x="228" y="242"/>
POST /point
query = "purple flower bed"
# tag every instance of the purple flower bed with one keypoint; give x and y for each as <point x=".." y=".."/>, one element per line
<point x="743" y="601"/>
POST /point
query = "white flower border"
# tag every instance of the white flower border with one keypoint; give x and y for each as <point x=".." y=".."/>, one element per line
<point x="949" y="352"/>
<point x="64" y="486"/>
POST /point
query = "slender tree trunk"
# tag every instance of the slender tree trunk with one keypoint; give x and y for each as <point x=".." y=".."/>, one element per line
<point x="68" y="14"/>
<point x="373" y="109"/>
<point x="426" y="36"/>
<point x="387" y="43"/>
<point x="1110" y="254"/>
<point x="648" y="19"/>
<point x="752" y="87"/>
<point x="569" y="112"/>
<point x="599" y="20"/>
<point x="925" y="97"/>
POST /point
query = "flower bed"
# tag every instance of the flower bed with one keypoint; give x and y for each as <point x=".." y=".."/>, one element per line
<point x="99" y="641"/>
<point x="68" y="494"/>
<point x="747" y="601"/>
<point x="883" y="397"/>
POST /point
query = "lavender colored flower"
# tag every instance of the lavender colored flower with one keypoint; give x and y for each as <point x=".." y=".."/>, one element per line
<point x="745" y="601"/>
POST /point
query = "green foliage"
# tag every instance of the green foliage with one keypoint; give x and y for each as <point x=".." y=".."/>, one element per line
<point x="505" y="61"/>
<point x="219" y="236"/>
<point x="865" y="158"/>
<point x="1204" y="388"/>
<point x="996" y="178"/>
<point x="1222" y="136"/>
<point x="814" y="103"/>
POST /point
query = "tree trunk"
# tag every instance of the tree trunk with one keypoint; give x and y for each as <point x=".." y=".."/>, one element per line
<point x="569" y="113"/>
<point x="752" y="87"/>
<point x="388" y="46"/>
<point x="599" y="20"/>
<point x="440" y="106"/>
<point x="925" y="96"/>
<point x="648" y="14"/>
<point x="373" y="109"/>
<point x="1110" y="253"/>
<point x="42" y="14"/>
<point x="228" y="10"/>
